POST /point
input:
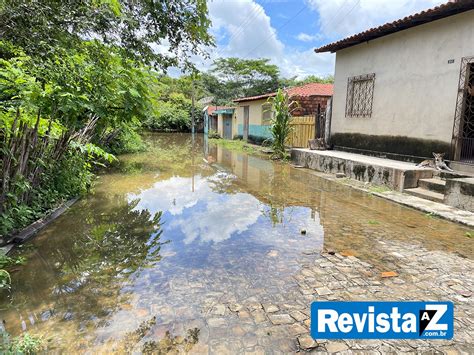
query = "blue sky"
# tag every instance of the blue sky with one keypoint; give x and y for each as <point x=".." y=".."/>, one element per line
<point x="287" y="31"/>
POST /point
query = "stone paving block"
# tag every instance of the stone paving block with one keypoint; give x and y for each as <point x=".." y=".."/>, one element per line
<point x="335" y="347"/>
<point x="299" y="316"/>
<point x="297" y="329"/>
<point x="323" y="291"/>
<point x="306" y="342"/>
<point x="278" y="319"/>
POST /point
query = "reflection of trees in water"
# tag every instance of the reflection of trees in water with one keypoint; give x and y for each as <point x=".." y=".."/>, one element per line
<point x="141" y="340"/>
<point x="168" y="154"/>
<point x="79" y="271"/>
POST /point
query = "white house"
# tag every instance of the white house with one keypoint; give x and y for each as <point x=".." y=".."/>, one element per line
<point x="406" y="88"/>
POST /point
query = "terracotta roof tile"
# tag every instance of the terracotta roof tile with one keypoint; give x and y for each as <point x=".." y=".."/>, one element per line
<point x="311" y="89"/>
<point x="450" y="8"/>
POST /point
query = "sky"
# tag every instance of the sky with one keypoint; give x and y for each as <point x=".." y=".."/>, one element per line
<point x="287" y="31"/>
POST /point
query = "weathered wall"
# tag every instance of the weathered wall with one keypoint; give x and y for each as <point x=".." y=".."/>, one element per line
<point x="460" y="193"/>
<point x="415" y="86"/>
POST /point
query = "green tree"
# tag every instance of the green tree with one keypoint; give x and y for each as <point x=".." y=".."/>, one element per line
<point x="41" y="26"/>
<point x="235" y="77"/>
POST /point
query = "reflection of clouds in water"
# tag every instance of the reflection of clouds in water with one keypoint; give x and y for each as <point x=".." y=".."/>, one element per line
<point x="221" y="218"/>
<point x="294" y="220"/>
<point x="216" y="218"/>
<point x="172" y="195"/>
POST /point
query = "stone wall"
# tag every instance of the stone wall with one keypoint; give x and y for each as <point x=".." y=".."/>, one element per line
<point x="460" y="193"/>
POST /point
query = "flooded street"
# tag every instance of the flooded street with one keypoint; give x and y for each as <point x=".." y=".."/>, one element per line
<point x="193" y="248"/>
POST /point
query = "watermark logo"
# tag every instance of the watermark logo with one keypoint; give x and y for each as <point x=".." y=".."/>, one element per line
<point x="382" y="320"/>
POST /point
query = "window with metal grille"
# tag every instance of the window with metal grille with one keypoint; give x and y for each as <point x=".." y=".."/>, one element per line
<point x="267" y="114"/>
<point x="360" y="94"/>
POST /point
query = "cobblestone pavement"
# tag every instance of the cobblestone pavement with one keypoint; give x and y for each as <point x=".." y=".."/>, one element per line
<point x="258" y="327"/>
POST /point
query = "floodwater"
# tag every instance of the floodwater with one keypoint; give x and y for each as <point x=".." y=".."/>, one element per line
<point x="155" y="257"/>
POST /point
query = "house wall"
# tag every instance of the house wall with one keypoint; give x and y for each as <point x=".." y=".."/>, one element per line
<point x="256" y="128"/>
<point x="415" y="87"/>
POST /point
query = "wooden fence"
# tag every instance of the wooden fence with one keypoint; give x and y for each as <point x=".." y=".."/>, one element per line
<point x="302" y="130"/>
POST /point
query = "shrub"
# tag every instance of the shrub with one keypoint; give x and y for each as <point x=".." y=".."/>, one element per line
<point x="25" y="344"/>
<point x="126" y="140"/>
<point x="214" y="134"/>
<point x="169" y="117"/>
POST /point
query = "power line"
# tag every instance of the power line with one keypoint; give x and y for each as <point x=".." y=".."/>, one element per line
<point x="352" y="8"/>
<point x="279" y="28"/>
<point x="255" y="11"/>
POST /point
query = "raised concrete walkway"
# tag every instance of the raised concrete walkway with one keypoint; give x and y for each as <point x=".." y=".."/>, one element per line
<point x="395" y="174"/>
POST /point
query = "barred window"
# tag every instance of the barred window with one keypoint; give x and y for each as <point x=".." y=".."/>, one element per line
<point x="360" y="94"/>
<point x="267" y="113"/>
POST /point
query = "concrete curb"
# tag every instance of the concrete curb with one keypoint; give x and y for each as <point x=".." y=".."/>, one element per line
<point x="30" y="231"/>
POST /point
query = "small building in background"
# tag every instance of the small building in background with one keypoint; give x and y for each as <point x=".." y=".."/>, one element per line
<point x="219" y="119"/>
<point x="406" y="89"/>
<point x="253" y="114"/>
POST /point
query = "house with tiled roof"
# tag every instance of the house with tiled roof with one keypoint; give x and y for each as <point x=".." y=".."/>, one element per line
<point x="406" y="89"/>
<point x="253" y="114"/>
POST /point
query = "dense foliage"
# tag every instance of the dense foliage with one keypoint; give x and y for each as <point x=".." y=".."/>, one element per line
<point x="76" y="82"/>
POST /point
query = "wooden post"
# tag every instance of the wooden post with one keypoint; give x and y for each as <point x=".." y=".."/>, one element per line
<point x="317" y="124"/>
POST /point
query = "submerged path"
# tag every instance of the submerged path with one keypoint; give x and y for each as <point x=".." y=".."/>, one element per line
<point x="170" y="253"/>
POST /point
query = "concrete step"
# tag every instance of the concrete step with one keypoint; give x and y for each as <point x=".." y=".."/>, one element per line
<point x="426" y="194"/>
<point x="444" y="174"/>
<point x="462" y="168"/>
<point x="436" y="185"/>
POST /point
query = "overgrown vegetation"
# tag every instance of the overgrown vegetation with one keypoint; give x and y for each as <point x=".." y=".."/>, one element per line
<point x="76" y="83"/>
<point x="6" y="262"/>
<point x="25" y="344"/>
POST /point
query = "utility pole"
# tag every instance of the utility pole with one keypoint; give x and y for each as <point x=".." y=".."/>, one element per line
<point x="192" y="129"/>
<point x="192" y="111"/>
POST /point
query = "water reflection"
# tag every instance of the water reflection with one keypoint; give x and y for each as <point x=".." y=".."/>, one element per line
<point x="141" y="263"/>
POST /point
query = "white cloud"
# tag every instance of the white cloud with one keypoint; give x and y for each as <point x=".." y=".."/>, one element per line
<point x="248" y="29"/>
<point x="304" y="37"/>
<point x="341" y="18"/>
<point x="216" y="218"/>
<point x="244" y="30"/>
